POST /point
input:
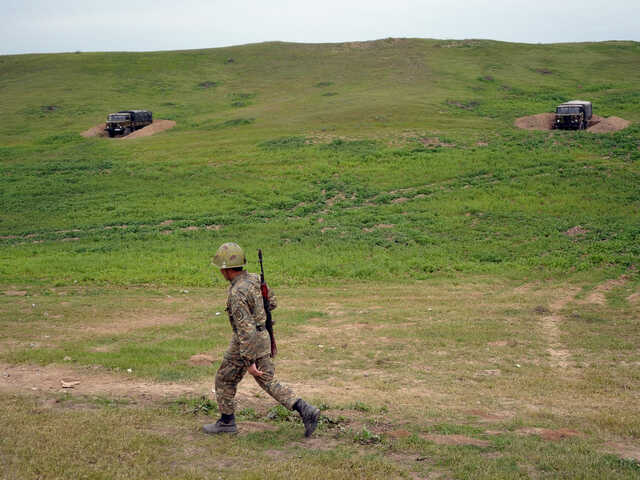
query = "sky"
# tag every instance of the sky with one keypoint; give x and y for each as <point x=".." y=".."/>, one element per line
<point x="36" y="26"/>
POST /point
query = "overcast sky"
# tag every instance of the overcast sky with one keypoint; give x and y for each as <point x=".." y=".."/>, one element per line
<point x="102" y="25"/>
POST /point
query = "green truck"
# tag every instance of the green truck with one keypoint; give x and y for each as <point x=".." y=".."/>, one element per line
<point x="127" y="121"/>
<point x="573" y="115"/>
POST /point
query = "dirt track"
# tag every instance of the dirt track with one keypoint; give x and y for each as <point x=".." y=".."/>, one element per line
<point x="544" y="121"/>
<point x="156" y="127"/>
<point x="24" y="378"/>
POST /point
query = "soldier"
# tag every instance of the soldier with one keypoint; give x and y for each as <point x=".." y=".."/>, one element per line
<point x="250" y="348"/>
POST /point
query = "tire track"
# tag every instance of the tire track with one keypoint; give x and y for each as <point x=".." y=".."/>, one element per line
<point x="551" y="328"/>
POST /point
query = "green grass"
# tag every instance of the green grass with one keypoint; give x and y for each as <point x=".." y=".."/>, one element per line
<point x="308" y="178"/>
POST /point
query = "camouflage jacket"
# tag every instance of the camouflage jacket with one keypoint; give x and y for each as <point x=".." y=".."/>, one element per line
<point x="248" y="318"/>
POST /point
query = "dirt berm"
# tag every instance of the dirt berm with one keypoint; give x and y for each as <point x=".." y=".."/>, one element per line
<point x="597" y="124"/>
<point x="155" y="127"/>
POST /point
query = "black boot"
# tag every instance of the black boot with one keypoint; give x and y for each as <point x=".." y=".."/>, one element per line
<point x="226" y="424"/>
<point x="309" y="414"/>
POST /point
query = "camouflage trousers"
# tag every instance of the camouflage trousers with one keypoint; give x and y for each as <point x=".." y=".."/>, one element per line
<point x="231" y="371"/>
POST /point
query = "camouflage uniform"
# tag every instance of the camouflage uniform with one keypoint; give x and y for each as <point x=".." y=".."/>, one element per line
<point x="250" y="343"/>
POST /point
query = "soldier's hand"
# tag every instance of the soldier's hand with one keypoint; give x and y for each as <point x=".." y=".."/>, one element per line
<point x="253" y="370"/>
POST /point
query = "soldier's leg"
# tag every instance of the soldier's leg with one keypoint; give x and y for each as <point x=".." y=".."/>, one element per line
<point x="272" y="386"/>
<point x="283" y="394"/>
<point x="229" y="374"/>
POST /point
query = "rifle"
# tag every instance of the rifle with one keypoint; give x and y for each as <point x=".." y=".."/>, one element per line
<point x="267" y="310"/>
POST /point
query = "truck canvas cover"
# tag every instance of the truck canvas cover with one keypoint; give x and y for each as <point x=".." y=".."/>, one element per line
<point x="588" y="108"/>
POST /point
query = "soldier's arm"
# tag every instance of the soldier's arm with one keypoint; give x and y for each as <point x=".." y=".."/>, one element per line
<point x="273" y="302"/>
<point x="245" y="328"/>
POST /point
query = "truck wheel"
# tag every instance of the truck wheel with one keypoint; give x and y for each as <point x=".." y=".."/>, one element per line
<point x="110" y="132"/>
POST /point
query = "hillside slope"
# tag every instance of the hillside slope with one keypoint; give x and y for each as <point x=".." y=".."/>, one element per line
<point x="356" y="161"/>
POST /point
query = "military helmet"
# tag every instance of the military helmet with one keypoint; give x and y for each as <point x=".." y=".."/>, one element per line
<point x="230" y="255"/>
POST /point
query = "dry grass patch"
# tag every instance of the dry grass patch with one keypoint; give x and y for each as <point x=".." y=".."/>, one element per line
<point x="387" y="358"/>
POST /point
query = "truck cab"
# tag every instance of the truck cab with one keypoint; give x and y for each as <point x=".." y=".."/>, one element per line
<point x="573" y="115"/>
<point x="127" y="121"/>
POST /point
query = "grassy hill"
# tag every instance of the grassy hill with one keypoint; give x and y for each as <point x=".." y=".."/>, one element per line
<point x="460" y="297"/>
<point x="377" y="160"/>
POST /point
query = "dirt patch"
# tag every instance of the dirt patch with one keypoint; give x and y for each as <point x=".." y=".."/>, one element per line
<point x="597" y="297"/>
<point x="611" y="124"/>
<point x="330" y="202"/>
<point x="97" y="131"/>
<point x="92" y="381"/>
<point x="634" y="298"/>
<point x="548" y="434"/>
<point x="624" y="450"/>
<point x="273" y="454"/>
<point x="524" y="288"/>
<point x="245" y="428"/>
<point x="545" y="121"/>
<point x="102" y="348"/>
<point x="575" y="231"/>
<point x="316" y="443"/>
<point x="560" y="434"/>
<point x="15" y="293"/>
<point x="455" y="440"/>
<point x="541" y="121"/>
<point x="567" y="296"/>
<point x="201" y="360"/>
<point x="398" y="433"/>
<point x="134" y="322"/>
<point x="560" y="356"/>
<point x="156" y="127"/>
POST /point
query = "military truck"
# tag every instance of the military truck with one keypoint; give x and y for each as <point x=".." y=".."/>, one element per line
<point x="573" y="115"/>
<point x="126" y="121"/>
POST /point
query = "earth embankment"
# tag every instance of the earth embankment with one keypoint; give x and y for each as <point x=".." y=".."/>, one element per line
<point x="97" y="131"/>
<point x="597" y="124"/>
<point x="156" y="127"/>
